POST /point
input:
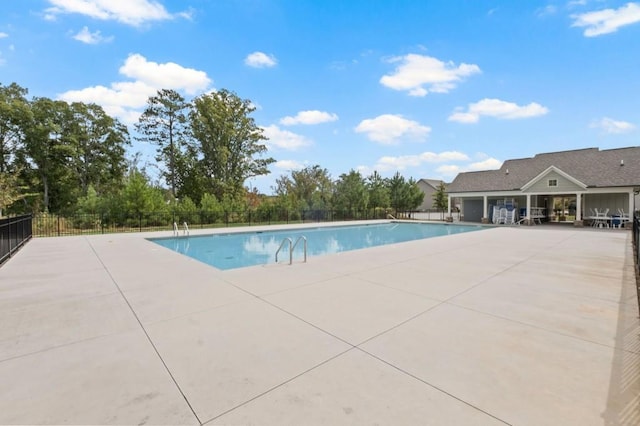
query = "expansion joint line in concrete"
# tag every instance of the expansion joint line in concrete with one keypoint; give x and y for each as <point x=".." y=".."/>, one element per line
<point x="395" y="367"/>
<point x="144" y="330"/>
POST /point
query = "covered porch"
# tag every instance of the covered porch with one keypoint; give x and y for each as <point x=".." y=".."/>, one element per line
<point x="610" y="207"/>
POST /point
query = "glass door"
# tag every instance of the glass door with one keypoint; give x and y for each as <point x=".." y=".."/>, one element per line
<point x="564" y="208"/>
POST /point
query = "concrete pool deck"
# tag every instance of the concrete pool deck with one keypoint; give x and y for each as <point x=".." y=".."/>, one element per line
<point x="523" y="326"/>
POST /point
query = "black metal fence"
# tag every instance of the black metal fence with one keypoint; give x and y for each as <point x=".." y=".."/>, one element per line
<point x="47" y="225"/>
<point x="14" y="233"/>
<point x="636" y="251"/>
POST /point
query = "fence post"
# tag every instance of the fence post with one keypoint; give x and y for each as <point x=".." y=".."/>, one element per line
<point x="635" y="229"/>
<point x="9" y="237"/>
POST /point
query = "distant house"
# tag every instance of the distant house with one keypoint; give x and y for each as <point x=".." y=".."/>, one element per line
<point x="567" y="186"/>
<point x="428" y="187"/>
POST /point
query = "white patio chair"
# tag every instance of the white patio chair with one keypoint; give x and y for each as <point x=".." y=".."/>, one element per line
<point x="502" y="216"/>
<point x="602" y="220"/>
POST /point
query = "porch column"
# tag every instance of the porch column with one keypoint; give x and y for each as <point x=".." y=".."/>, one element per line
<point x="631" y="205"/>
<point x="528" y="209"/>
<point x="485" y="207"/>
<point x="448" y="205"/>
<point x="578" y="207"/>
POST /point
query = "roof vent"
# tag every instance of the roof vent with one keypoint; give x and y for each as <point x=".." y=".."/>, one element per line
<point x="622" y="162"/>
<point x="506" y="172"/>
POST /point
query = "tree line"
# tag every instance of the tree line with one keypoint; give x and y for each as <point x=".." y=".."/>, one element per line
<point x="66" y="158"/>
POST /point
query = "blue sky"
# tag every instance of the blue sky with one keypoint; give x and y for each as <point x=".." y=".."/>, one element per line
<point x="426" y="88"/>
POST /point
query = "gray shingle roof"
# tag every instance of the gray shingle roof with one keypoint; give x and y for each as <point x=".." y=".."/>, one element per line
<point x="591" y="166"/>
<point x="434" y="183"/>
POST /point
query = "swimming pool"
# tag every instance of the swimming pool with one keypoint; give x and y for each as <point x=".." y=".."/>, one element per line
<point x="241" y="249"/>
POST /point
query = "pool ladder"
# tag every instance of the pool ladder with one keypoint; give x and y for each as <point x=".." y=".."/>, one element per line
<point x="176" y="232"/>
<point x="292" y="247"/>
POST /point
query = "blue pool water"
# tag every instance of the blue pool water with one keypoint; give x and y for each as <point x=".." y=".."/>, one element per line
<point x="240" y="249"/>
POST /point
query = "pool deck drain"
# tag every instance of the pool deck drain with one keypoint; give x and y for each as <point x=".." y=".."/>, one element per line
<point x="523" y="326"/>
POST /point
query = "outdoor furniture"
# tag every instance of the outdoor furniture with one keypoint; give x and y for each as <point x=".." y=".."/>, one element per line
<point x="600" y="219"/>
<point x="624" y="218"/>
<point x="501" y="217"/>
<point x="537" y="214"/>
<point x="616" y="221"/>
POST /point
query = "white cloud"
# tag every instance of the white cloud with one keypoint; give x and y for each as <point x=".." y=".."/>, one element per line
<point x="486" y="164"/>
<point x="388" y="129"/>
<point x="284" y="139"/>
<point x="260" y="60"/>
<point x="129" y="12"/>
<point x="546" y="11"/>
<point x="187" y="14"/>
<point x="575" y="3"/>
<point x="498" y="109"/>
<point x="448" y="170"/>
<point x="416" y="71"/>
<point x="4" y="35"/>
<point x="607" y="20"/>
<point x="389" y="163"/>
<point x="364" y="170"/>
<point x="609" y="125"/>
<point x="168" y="75"/>
<point x="125" y="99"/>
<point x="85" y="36"/>
<point x="288" y="165"/>
<point x="309" y="117"/>
<point x="451" y="170"/>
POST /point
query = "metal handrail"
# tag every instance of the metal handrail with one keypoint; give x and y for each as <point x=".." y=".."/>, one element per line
<point x="301" y="237"/>
<point x="175" y="229"/>
<point x="280" y="248"/>
<point x="186" y="229"/>
<point x="292" y="247"/>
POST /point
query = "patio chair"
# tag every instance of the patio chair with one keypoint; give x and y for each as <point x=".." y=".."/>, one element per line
<point x="601" y="218"/>
<point x="502" y="216"/>
<point x="624" y="218"/>
<point x="616" y="221"/>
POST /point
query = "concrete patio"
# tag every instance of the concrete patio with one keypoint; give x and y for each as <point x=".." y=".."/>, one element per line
<point x="522" y="326"/>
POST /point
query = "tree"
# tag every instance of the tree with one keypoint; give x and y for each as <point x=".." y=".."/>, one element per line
<point x="15" y="115"/>
<point x="9" y="190"/>
<point x="48" y="150"/>
<point x="350" y="192"/>
<point x="139" y="196"/>
<point x="415" y="196"/>
<point x="165" y="123"/>
<point x="229" y="142"/>
<point x="99" y="147"/>
<point x="378" y="191"/>
<point x="308" y="188"/>
<point x="440" y="199"/>
<point x="404" y="195"/>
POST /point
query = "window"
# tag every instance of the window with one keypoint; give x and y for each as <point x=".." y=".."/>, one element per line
<point x="553" y="182"/>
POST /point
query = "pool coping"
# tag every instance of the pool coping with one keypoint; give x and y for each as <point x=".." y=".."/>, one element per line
<point x="186" y="235"/>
